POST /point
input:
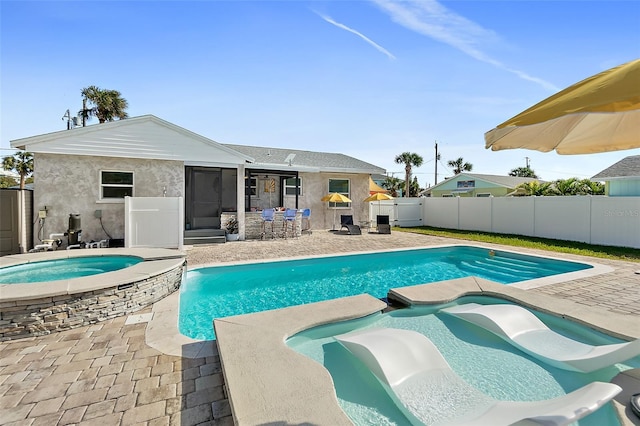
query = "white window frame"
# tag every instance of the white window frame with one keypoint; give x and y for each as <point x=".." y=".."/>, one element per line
<point x="104" y="199"/>
<point x="293" y="188"/>
<point x="346" y="194"/>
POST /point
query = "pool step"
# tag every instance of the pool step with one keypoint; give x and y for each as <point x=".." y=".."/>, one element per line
<point x="204" y="236"/>
<point x="473" y="266"/>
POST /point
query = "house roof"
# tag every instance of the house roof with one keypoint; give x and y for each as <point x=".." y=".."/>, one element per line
<point x="279" y="158"/>
<point x="628" y="167"/>
<point x="146" y="136"/>
<point x="150" y="137"/>
<point x="505" y="181"/>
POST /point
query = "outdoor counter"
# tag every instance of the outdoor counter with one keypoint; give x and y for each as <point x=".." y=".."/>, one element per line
<point x="253" y="225"/>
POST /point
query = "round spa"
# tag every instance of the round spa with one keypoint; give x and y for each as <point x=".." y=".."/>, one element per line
<point x="42" y="293"/>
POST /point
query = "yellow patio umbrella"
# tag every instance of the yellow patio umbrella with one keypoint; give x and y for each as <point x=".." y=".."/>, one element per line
<point x="378" y="196"/>
<point x="374" y="187"/>
<point x="335" y="197"/>
<point x="598" y="114"/>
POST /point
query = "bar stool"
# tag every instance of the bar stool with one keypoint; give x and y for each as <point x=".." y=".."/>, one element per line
<point x="268" y="216"/>
<point x="289" y="219"/>
<point x="306" y="221"/>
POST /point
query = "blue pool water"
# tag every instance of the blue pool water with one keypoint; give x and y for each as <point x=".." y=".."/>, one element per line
<point x="64" y="269"/>
<point x="221" y="291"/>
<point x="482" y="359"/>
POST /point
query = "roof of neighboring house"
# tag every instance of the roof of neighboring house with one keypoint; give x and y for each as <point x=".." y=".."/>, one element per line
<point x="506" y="181"/>
<point x="272" y="158"/>
<point x="9" y="173"/>
<point x="628" y="167"/>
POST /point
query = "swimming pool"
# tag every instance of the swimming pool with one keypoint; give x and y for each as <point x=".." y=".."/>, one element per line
<point x="480" y="358"/>
<point x="216" y="292"/>
<point x="64" y="269"/>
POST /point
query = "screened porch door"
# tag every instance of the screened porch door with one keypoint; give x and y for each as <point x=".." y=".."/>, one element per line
<point x="203" y="197"/>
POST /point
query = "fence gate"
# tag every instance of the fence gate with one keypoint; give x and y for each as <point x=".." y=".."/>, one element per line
<point x="16" y="229"/>
<point x="408" y="212"/>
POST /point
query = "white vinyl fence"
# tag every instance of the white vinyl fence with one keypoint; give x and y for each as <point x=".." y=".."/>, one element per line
<point x="611" y="221"/>
<point x="154" y="222"/>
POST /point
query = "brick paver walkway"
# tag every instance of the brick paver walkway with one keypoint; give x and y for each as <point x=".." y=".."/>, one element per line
<point x="105" y="374"/>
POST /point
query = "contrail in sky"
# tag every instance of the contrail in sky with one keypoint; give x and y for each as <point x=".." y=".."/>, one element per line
<point x="359" y="34"/>
<point x="430" y="18"/>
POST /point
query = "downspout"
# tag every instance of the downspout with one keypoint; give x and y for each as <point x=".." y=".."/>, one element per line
<point x="297" y="188"/>
<point x="240" y="210"/>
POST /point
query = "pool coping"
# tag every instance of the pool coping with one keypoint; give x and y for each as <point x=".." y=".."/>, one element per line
<point x="156" y="261"/>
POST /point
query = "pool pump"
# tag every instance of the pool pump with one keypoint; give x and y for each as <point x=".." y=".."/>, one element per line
<point x="74" y="232"/>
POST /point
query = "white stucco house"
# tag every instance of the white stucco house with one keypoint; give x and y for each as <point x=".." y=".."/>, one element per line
<point x="90" y="170"/>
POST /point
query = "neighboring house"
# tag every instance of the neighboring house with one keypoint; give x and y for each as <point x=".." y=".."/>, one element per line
<point x="621" y="179"/>
<point x="477" y="185"/>
<point x="89" y="170"/>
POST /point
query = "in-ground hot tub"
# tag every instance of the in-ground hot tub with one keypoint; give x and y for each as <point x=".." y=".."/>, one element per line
<point x="39" y="308"/>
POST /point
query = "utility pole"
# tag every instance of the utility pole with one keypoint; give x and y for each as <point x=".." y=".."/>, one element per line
<point x="527" y="159"/>
<point x="436" y="163"/>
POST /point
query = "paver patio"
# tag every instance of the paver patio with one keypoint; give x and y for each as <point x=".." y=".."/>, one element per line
<point x="105" y="374"/>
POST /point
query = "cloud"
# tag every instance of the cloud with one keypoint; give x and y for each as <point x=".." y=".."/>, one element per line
<point x="359" y="34"/>
<point x="430" y="18"/>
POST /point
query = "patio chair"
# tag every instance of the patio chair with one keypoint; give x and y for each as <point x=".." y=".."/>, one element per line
<point x="289" y="222"/>
<point x="346" y="221"/>
<point x="410" y="368"/>
<point x="521" y="328"/>
<point x="268" y="216"/>
<point x="382" y="222"/>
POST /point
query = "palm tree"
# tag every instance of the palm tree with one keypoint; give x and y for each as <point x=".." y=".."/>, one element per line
<point x="21" y="162"/>
<point x="566" y="186"/>
<point x="523" y="172"/>
<point x="409" y="159"/>
<point x="393" y="184"/>
<point x="587" y="186"/>
<point x="460" y="166"/>
<point x="107" y="105"/>
<point x="536" y="188"/>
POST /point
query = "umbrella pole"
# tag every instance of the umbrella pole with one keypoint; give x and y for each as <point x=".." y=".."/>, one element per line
<point x="333" y="228"/>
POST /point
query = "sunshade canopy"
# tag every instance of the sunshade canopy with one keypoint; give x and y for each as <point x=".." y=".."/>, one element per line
<point x="598" y="114"/>
<point x="336" y="197"/>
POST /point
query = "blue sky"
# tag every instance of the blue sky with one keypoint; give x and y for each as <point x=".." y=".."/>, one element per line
<point x="370" y="79"/>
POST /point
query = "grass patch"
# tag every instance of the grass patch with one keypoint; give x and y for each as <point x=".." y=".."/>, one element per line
<point x="571" y="247"/>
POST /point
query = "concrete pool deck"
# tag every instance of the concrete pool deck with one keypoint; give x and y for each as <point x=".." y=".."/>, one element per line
<point x="110" y="373"/>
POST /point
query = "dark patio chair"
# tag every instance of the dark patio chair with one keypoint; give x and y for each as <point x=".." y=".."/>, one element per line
<point x="346" y="221"/>
<point x="382" y="222"/>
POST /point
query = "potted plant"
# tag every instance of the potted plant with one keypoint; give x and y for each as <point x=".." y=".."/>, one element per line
<point x="231" y="228"/>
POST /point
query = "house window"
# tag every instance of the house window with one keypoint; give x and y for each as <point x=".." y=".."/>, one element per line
<point x="252" y="186"/>
<point x="115" y="185"/>
<point x="466" y="184"/>
<point x="341" y="186"/>
<point x="483" y="194"/>
<point x="447" y="195"/>
<point x="290" y="186"/>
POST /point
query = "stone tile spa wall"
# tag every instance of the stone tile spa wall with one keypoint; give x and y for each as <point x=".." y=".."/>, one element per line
<point x="46" y="315"/>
